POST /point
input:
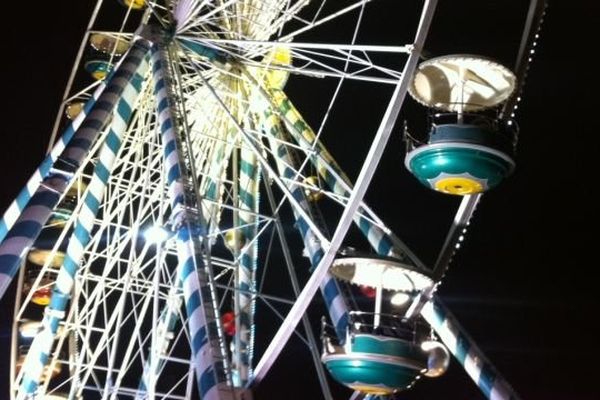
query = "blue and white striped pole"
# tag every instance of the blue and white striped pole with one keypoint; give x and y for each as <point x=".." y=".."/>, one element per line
<point x="464" y="349"/>
<point x="249" y="207"/>
<point x="207" y="352"/>
<point x="328" y="169"/>
<point x="39" y="352"/>
<point x="16" y="207"/>
<point x="212" y="187"/>
<point x="28" y="226"/>
<point x="336" y="305"/>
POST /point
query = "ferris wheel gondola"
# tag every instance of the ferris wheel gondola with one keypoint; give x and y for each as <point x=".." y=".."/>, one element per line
<point x="465" y="153"/>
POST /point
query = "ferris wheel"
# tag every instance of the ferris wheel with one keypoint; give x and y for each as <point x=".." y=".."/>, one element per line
<point x="171" y="242"/>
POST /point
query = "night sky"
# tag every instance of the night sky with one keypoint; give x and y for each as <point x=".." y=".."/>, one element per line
<point x="523" y="283"/>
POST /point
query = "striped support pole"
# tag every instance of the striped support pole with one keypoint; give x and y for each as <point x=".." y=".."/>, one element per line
<point x="207" y="352"/>
<point x="212" y="187"/>
<point x="40" y="349"/>
<point x="464" y="349"/>
<point x="328" y="169"/>
<point x="28" y="226"/>
<point x="249" y="207"/>
<point x="336" y="305"/>
<point x="16" y="207"/>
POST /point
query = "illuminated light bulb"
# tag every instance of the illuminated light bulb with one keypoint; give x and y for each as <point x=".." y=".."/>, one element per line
<point x="156" y="234"/>
<point x="399" y="299"/>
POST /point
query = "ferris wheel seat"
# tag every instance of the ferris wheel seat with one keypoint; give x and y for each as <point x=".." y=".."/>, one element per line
<point x="28" y="329"/>
<point x="41" y="256"/>
<point x="99" y="69"/>
<point x="377" y="364"/>
<point x="37" y="258"/>
<point x="73" y="109"/>
<point x="62" y="213"/>
<point x="43" y="292"/>
<point x="42" y="297"/>
<point x="133" y="4"/>
<point x="59" y="217"/>
<point x="108" y="44"/>
<point x="461" y="159"/>
<point x="44" y="252"/>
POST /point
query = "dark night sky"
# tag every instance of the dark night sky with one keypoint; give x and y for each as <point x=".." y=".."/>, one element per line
<point x="523" y="283"/>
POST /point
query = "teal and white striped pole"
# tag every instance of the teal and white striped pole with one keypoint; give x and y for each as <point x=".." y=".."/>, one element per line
<point x="38" y="210"/>
<point x="16" y="207"/>
<point x="248" y="204"/>
<point x="208" y="356"/>
<point x="336" y="305"/>
<point x="211" y="187"/>
<point x="39" y="352"/>
<point x="331" y="172"/>
<point x="466" y="352"/>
